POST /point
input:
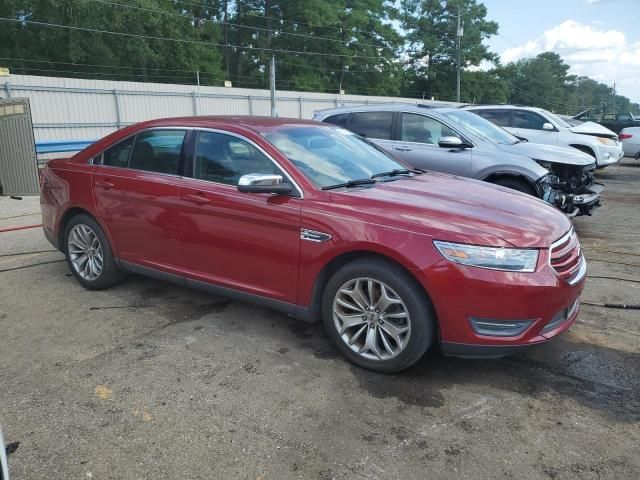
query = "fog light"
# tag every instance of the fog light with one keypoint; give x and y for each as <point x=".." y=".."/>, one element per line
<point x="499" y="328"/>
<point x="560" y="317"/>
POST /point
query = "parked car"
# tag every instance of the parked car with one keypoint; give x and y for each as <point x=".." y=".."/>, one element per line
<point x="454" y="141"/>
<point x="618" y="121"/>
<point x="541" y="126"/>
<point x="630" y="138"/>
<point x="321" y="224"/>
<point x="4" y="467"/>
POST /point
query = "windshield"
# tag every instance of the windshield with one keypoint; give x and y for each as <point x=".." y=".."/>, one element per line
<point x="329" y="155"/>
<point x="556" y="119"/>
<point x="480" y="127"/>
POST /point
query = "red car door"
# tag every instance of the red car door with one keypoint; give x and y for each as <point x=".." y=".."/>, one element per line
<point x="248" y="242"/>
<point x="136" y="191"/>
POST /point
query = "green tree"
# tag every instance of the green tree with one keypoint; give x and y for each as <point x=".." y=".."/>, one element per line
<point x="431" y="48"/>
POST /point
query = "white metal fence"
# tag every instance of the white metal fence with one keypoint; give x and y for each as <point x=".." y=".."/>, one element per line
<point x="78" y="109"/>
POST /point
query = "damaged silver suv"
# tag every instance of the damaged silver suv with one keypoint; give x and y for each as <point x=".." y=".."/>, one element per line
<point x="462" y="143"/>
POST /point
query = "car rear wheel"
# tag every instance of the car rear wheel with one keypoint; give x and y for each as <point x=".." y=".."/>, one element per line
<point x="516" y="184"/>
<point x="89" y="255"/>
<point x="377" y="315"/>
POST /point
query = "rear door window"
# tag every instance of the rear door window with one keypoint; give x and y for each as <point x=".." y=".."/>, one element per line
<point x="502" y="118"/>
<point x="372" y="124"/>
<point x="157" y="151"/>
<point x="528" y="120"/>
<point x="342" y="119"/>
<point x="422" y="129"/>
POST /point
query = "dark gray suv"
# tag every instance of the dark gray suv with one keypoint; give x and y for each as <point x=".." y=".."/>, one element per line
<point x="462" y="143"/>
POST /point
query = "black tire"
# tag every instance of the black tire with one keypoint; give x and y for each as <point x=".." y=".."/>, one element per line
<point x="516" y="184"/>
<point x="110" y="274"/>
<point x="418" y="305"/>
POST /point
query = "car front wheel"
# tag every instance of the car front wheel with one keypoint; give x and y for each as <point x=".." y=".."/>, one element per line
<point x="377" y="315"/>
<point x="89" y="255"/>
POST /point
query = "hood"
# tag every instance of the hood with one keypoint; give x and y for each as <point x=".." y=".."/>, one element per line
<point x="592" y="128"/>
<point x="458" y="209"/>
<point x="549" y="153"/>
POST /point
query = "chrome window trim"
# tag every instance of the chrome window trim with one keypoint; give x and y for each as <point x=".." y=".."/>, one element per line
<point x="252" y="143"/>
<point x="190" y="176"/>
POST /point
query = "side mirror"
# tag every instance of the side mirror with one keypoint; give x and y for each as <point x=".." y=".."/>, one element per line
<point x="263" y="183"/>
<point x="452" y="142"/>
<point x="548" y="127"/>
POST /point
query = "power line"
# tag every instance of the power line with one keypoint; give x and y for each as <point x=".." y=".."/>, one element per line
<point x="268" y="17"/>
<point x="187" y="41"/>
<point x="546" y="100"/>
<point x="238" y="25"/>
<point x="94" y="65"/>
<point x="300" y="65"/>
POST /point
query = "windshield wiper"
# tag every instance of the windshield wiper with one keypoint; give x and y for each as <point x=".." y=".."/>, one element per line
<point x="399" y="171"/>
<point x="350" y="183"/>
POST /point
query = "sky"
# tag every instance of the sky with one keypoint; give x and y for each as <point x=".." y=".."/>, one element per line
<point x="597" y="38"/>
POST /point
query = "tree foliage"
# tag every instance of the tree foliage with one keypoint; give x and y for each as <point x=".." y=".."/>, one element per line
<point x="372" y="47"/>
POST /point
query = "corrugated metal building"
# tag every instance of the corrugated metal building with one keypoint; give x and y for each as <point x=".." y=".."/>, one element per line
<point x="78" y="109"/>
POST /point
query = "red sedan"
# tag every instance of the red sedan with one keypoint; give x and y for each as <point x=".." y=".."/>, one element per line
<point x="317" y="222"/>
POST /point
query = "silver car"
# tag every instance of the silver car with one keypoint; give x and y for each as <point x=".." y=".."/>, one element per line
<point x="462" y="143"/>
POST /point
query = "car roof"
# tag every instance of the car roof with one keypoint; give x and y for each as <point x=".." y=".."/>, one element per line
<point x="255" y="123"/>
<point x="504" y="107"/>
<point x="385" y="107"/>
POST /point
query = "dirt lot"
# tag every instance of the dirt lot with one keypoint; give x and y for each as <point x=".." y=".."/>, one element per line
<point x="151" y="381"/>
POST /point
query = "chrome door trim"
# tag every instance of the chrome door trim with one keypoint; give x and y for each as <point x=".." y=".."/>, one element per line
<point x="314" y="236"/>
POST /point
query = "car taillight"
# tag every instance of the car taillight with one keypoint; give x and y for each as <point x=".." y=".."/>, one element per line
<point x="624" y="136"/>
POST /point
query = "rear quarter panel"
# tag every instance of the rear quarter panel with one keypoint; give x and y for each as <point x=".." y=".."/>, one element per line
<point x="65" y="184"/>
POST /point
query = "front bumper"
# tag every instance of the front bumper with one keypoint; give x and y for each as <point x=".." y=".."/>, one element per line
<point x="460" y="292"/>
<point x="608" y="155"/>
<point x="573" y="204"/>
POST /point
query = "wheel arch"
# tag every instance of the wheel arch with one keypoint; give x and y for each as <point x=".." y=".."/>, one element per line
<point x="494" y="177"/>
<point x="342" y="259"/>
<point x="66" y="218"/>
<point x="585" y="149"/>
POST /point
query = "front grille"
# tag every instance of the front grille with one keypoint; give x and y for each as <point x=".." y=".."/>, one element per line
<point x="566" y="257"/>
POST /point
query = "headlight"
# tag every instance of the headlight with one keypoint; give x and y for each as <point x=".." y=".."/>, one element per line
<point x="606" y="141"/>
<point x="508" y="259"/>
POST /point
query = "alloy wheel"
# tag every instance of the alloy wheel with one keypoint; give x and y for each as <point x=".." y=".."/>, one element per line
<point x="371" y="319"/>
<point x="85" y="252"/>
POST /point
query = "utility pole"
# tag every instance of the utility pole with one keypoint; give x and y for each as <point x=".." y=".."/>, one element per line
<point x="614" y="98"/>
<point x="272" y="83"/>
<point x="459" y="33"/>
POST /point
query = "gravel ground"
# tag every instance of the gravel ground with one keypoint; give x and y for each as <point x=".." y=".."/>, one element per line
<point x="151" y="381"/>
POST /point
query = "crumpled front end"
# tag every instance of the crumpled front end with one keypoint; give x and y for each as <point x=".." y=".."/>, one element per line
<point x="571" y="188"/>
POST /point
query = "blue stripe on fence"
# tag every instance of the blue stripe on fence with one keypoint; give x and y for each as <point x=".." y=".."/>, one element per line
<point x="62" y="146"/>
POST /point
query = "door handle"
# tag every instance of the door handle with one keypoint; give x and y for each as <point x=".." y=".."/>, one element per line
<point x="104" y="184"/>
<point x="402" y="149"/>
<point x="196" y="198"/>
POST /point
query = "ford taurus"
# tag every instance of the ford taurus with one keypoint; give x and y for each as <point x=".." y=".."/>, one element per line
<point x="320" y="223"/>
